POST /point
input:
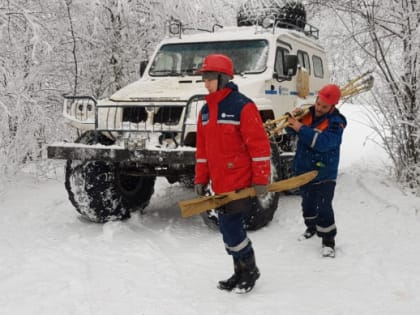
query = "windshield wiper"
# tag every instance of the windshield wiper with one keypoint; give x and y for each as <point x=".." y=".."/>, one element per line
<point x="190" y="71"/>
<point x="249" y="72"/>
<point x="170" y="73"/>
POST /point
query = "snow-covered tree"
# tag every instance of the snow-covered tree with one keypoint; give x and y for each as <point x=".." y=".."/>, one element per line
<point x="49" y="48"/>
<point x="26" y="82"/>
<point x="385" y="36"/>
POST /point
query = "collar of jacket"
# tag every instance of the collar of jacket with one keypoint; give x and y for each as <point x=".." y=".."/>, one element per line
<point x="321" y="122"/>
<point x="219" y="95"/>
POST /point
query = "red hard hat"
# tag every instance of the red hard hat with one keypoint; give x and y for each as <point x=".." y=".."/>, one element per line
<point x="217" y="63"/>
<point x="330" y="94"/>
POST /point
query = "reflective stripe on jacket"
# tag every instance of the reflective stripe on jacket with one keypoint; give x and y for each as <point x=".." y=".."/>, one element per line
<point x="318" y="146"/>
<point x="233" y="150"/>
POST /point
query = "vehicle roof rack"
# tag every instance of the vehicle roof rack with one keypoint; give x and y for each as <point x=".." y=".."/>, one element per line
<point x="176" y="28"/>
<point x="306" y="28"/>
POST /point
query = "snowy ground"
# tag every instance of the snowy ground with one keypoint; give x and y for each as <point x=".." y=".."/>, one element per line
<point x="158" y="263"/>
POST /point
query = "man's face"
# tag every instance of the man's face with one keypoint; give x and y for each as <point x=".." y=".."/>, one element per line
<point x="321" y="108"/>
<point x="210" y="85"/>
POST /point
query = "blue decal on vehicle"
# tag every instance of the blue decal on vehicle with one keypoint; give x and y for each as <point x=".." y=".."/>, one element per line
<point x="272" y="92"/>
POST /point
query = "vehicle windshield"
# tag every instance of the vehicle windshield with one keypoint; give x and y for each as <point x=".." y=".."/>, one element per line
<point x="248" y="56"/>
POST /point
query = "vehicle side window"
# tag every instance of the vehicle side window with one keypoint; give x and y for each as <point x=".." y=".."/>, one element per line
<point x="318" y="66"/>
<point x="303" y="60"/>
<point x="279" y="63"/>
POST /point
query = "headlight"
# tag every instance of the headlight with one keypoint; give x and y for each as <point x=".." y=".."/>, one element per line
<point x="81" y="109"/>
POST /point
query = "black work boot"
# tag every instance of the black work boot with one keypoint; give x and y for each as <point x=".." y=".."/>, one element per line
<point x="328" y="247"/>
<point x="249" y="273"/>
<point x="231" y="283"/>
<point x="309" y="232"/>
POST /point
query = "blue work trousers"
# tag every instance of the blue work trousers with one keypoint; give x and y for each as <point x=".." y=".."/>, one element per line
<point x="234" y="234"/>
<point x="318" y="212"/>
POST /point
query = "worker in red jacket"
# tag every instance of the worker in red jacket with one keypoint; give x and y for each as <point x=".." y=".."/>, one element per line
<point x="233" y="152"/>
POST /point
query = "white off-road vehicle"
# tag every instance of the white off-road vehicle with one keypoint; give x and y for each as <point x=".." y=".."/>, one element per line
<point x="148" y="128"/>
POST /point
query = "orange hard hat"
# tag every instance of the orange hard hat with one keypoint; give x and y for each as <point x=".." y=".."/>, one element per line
<point x="217" y="63"/>
<point x="330" y="94"/>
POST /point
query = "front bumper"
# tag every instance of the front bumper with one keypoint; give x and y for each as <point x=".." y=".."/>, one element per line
<point x="176" y="158"/>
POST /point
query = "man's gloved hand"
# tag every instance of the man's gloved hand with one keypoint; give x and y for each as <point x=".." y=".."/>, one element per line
<point x="294" y="124"/>
<point x="200" y="189"/>
<point x="261" y="190"/>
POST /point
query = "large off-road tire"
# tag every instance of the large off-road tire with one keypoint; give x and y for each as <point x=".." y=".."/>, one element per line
<point x="136" y="191"/>
<point x="100" y="191"/>
<point x="211" y="219"/>
<point x="292" y="13"/>
<point x="263" y="209"/>
<point x="287" y="145"/>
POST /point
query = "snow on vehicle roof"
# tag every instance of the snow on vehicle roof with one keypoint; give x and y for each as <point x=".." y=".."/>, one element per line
<point x="239" y="33"/>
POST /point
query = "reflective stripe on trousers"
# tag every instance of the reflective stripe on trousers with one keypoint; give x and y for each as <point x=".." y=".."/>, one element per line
<point x="317" y="207"/>
<point x="234" y="235"/>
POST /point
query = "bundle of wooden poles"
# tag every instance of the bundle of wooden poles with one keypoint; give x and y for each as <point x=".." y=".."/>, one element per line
<point x="352" y="88"/>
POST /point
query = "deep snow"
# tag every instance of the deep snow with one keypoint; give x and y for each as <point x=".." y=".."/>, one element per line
<point x="159" y="263"/>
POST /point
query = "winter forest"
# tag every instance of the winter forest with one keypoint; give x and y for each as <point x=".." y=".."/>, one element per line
<point x="50" y="48"/>
<point x="53" y="261"/>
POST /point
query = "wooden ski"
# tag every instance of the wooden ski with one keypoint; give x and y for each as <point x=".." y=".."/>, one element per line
<point x="201" y="204"/>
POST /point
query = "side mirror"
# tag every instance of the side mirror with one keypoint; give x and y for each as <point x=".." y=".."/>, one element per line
<point x="290" y="64"/>
<point x="288" y="69"/>
<point x="143" y="65"/>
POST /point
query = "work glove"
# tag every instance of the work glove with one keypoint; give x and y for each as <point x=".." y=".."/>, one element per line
<point x="261" y="190"/>
<point x="200" y="189"/>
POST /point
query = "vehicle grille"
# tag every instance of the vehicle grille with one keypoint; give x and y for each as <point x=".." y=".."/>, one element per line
<point x="167" y="115"/>
<point x="134" y="114"/>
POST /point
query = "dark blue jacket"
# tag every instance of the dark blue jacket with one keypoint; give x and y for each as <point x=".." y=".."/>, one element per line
<point x="318" y="146"/>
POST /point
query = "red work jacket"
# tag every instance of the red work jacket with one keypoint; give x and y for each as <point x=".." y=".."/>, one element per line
<point x="233" y="150"/>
